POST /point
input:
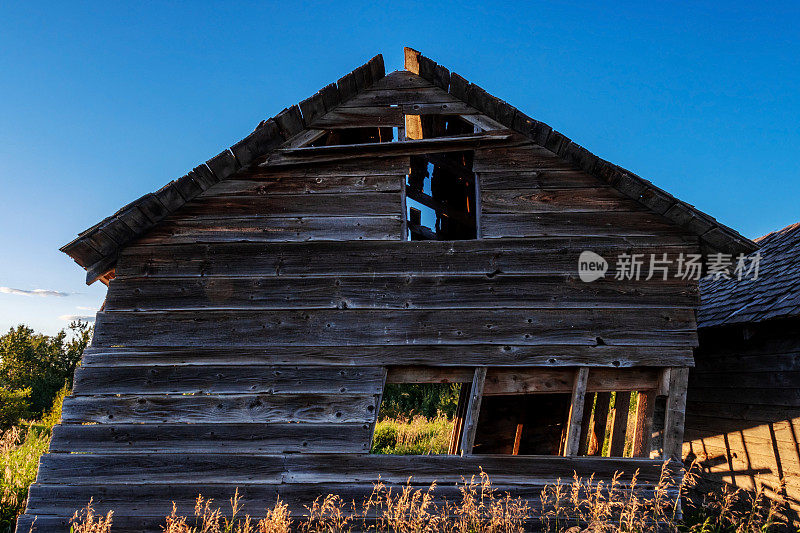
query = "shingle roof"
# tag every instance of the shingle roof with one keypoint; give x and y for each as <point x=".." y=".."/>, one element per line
<point x="774" y="294"/>
<point x="97" y="248"/>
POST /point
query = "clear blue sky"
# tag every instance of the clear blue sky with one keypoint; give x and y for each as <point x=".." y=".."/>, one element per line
<point x="99" y="104"/>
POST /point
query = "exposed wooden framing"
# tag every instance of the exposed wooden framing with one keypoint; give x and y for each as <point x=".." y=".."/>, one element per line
<point x="458" y="421"/>
<point x="586" y="425"/>
<point x="320" y="154"/>
<point x="404" y="209"/>
<point x="304" y="138"/>
<point x="473" y="410"/>
<point x="426" y="234"/>
<point x="554" y="381"/>
<point x="483" y="122"/>
<point x="600" y="421"/>
<point x="675" y="413"/>
<point x="478" y="206"/>
<point x="619" y="428"/>
<point x="378" y="401"/>
<point x="429" y="201"/>
<point x="572" y="443"/>
<point x="643" y="433"/>
<point x="663" y="383"/>
<point x="517" y="439"/>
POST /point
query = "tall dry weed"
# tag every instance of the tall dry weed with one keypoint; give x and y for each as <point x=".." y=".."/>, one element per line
<point x="580" y="505"/>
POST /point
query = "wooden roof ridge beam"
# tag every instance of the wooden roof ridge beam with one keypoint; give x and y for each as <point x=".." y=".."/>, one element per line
<point x="713" y="233"/>
<point x="96" y="248"/>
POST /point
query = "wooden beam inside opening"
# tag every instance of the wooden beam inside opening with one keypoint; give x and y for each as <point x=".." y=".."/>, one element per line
<point x="517" y="439"/>
<point x="643" y="433"/>
<point x="379" y="400"/>
<point x="586" y="425"/>
<point x="600" y="422"/>
<point x="413" y="127"/>
<point x="458" y="422"/>
<point x="619" y="428"/>
<point x="483" y="122"/>
<point x="572" y="443"/>
<point x="473" y="411"/>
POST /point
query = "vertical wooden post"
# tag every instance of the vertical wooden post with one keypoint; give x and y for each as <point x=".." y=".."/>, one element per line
<point x="586" y="425"/>
<point x="473" y="410"/>
<point x="458" y="422"/>
<point x="622" y="405"/>
<point x="600" y="424"/>
<point x="642" y="435"/>
<point x="378" y="400"/>
<point x="517" y="440"/>
<point x="478" y="225"/>
<point x="675" y="415"/>
<point x="572" y="443"/>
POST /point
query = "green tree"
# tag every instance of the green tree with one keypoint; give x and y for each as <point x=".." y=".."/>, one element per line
<point x="35" y="367"/>
<point x="405" y="400"/>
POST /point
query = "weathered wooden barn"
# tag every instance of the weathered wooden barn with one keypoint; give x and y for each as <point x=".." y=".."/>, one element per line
<point x="392" y="228"/>
<point x="743" y="411"/>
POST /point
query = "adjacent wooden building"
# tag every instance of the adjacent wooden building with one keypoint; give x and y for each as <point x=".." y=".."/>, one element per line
<point x="392" y="228"/>
<point x="743" y="411"/>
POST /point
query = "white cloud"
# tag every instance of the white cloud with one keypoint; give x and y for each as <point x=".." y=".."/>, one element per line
<point x="83" y="308"/>
<point x="35" y="292"/>
<point x="72" y="318"/>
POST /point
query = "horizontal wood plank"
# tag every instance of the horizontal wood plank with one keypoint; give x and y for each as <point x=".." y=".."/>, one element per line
<point x="275" y="183"/>
<point x="395" y="292"/>
<point x="536" y="179"/>
<point x="219" y="408"/>
<point x="114" y="469"/>
<point x="330" y="327"/>
<point x="555" y="201"/>
<point x="227" y="379"/>
<point x="258" y="437"/>
<point x="424" y="355"/>
<point x="546" y="255"/>
<point x="501" y="381"/>
<point x="295" y="205"/>
<point x="205" y="229"/>
<point x="601" y="224"/>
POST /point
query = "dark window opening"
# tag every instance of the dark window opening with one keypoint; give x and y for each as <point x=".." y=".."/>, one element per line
<point x="618" y="412"/>
<point x="530" y="424"/>
<point x="441" y="197"/>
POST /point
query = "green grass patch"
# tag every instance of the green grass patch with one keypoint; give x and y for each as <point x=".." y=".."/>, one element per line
<point x="414" y="436"/>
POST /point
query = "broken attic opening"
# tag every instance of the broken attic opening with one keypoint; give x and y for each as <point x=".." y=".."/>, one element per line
<point x="440" y="190"/>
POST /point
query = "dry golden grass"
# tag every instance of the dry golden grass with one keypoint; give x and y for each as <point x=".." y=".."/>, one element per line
<point x="582" y="504"/>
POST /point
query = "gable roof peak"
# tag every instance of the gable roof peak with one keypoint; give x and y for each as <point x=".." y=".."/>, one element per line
<point x="97" y="248"/>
